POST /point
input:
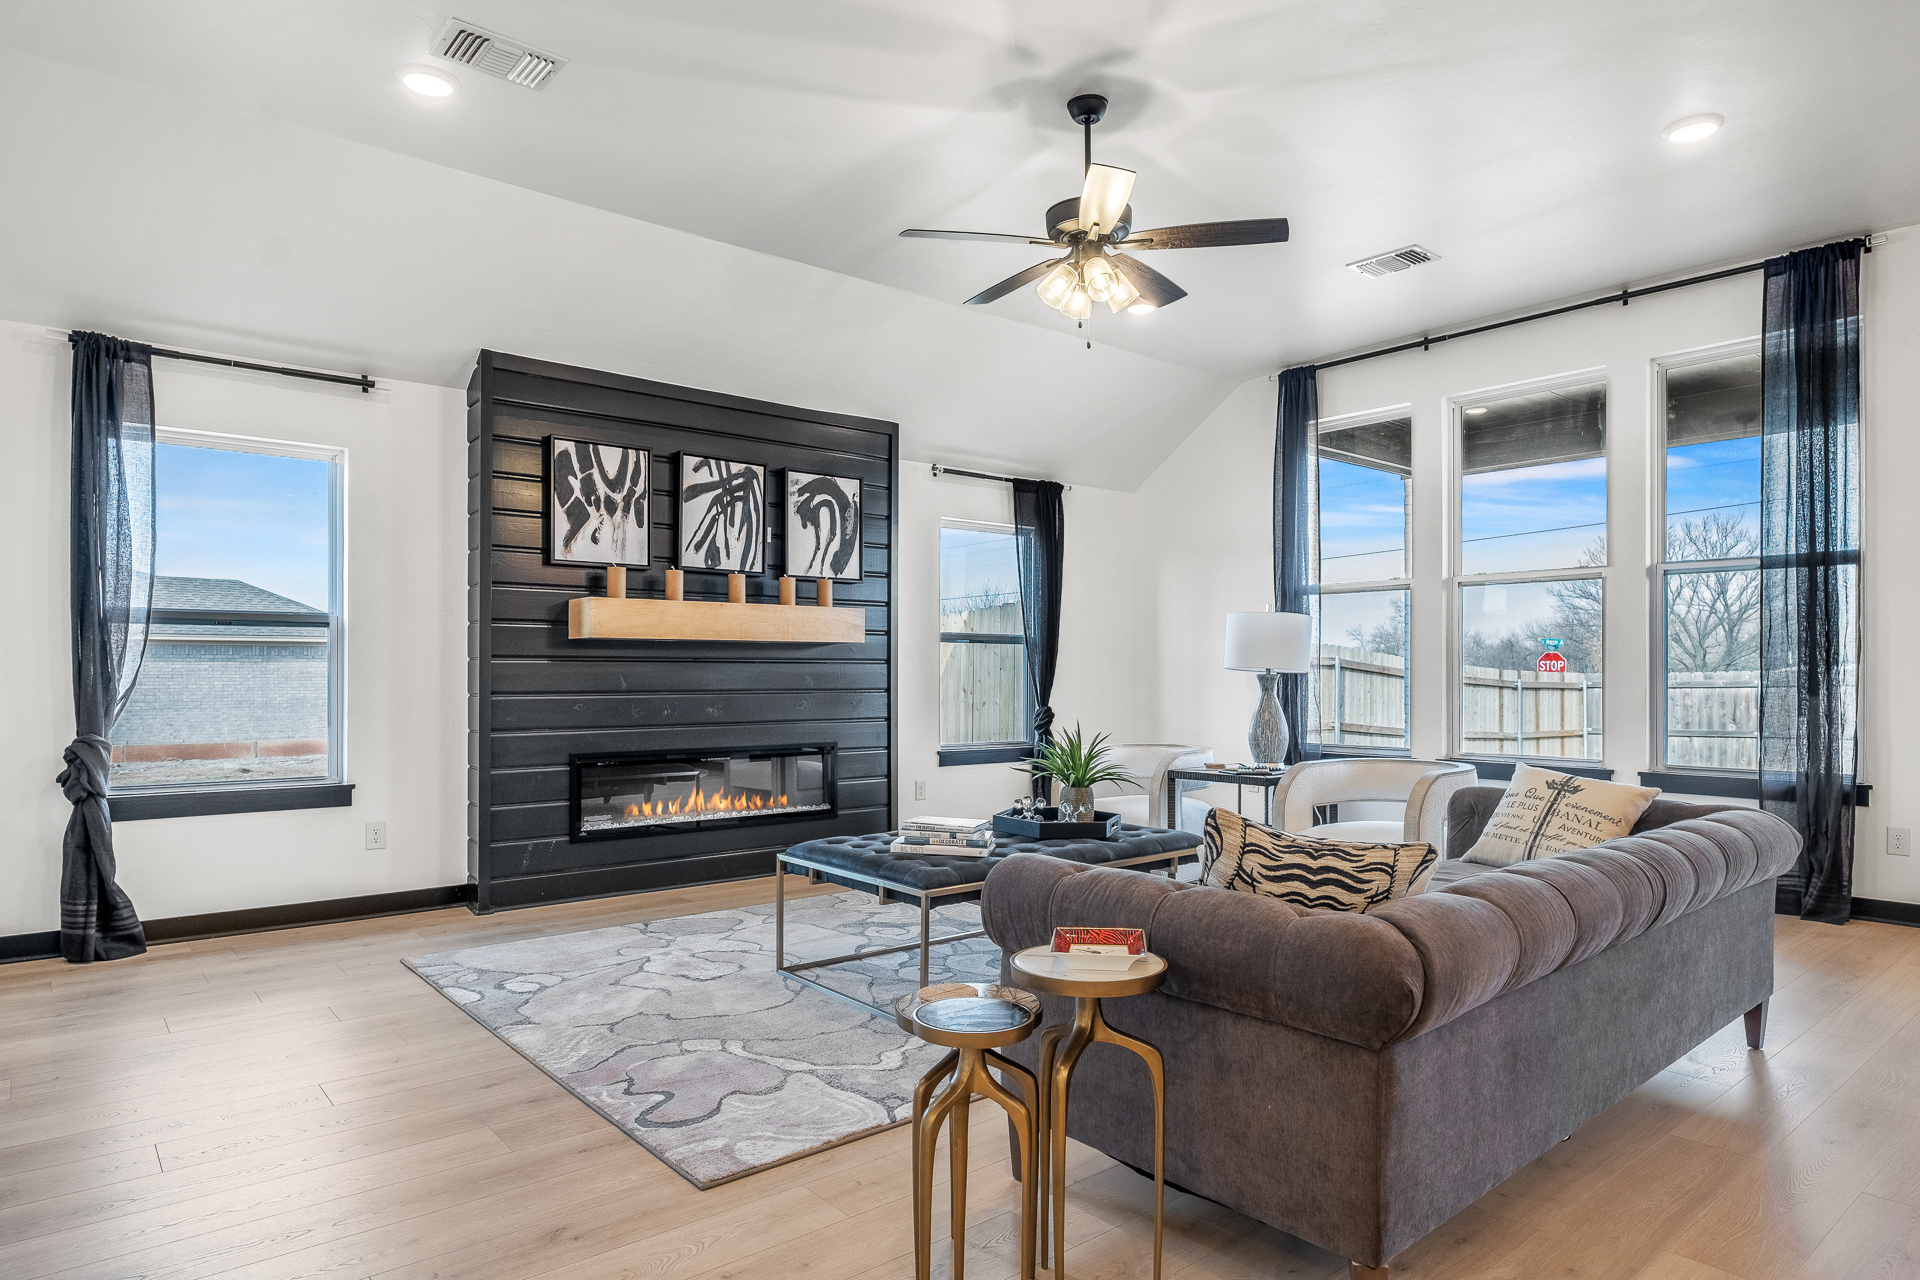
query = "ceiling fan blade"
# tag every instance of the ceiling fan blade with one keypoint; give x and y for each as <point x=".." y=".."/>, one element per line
<point x="1209" y="235"/>
<point x="1103" y="200"/>
<point x="1007" y="286"/>
<point x="994" y="236"/>
<point x="1154" y="288"/>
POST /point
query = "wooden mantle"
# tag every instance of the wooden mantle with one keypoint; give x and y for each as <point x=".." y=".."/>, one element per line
<point x="601" y="618"/>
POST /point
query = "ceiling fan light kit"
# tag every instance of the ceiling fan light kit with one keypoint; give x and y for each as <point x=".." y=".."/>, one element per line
<point x="1091" y="227"/>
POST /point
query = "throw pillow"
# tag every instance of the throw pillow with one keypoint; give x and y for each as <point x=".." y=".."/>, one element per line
<point x="1544" y="813"/>
<point x="1339" y="875"/>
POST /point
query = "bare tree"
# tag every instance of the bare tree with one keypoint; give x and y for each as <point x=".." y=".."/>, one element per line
<point x="1384" y="637"/>
<point x="1713" y="617"/>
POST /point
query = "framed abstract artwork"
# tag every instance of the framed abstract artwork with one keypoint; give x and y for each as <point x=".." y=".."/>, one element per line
<point x="723" y="514"/>
<point x="823" y="526"/>
<point x="596" y="503"/>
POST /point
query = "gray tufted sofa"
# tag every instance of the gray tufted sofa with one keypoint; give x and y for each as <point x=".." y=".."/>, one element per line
<point x="1357" y="1080"/>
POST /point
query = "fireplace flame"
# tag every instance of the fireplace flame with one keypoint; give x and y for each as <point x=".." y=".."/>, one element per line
<point x="701" y="802"/>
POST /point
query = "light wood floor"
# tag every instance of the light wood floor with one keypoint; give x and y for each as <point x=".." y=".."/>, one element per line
<point x="298" y="1104"/>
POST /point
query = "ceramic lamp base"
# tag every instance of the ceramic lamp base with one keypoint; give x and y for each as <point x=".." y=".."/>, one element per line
<point x="1267" y="736"/>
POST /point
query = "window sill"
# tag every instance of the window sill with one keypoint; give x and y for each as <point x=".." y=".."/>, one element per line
<point x="1737" y="786"/>
<point x="139" y="806"/>
<point x="1501" y="770"/>
<point x="991" y="753"/>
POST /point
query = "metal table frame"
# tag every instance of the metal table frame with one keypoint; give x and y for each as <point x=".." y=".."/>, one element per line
<point x="887" y="890"/>
<point x="1267" y="782"/>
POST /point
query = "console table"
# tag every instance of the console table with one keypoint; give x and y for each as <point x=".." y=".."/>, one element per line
<point x="1266" y="779"/>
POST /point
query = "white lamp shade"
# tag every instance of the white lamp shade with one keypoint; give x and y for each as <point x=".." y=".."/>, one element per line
<point x="1269" y="642"/>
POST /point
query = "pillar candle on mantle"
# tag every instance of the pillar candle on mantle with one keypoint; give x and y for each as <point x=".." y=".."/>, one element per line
<point x="786" y="591"/>
<point x="616" y="582"/>
<point x="736" y="588"/>
<point x="676" y="585"/>
<point x="823" y="592"/>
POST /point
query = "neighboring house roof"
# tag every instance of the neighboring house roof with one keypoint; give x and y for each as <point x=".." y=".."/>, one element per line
<point x="221" y="593"/>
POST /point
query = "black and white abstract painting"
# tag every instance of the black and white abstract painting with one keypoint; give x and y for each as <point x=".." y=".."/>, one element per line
<point x="596" y="503"/>
<point x="723" y="514"/>
<point x="823" y="526"/>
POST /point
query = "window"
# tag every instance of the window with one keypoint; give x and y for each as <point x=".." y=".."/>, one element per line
<point x="1709" y="575"/>
<point x="240" y="685"/>
<point x="1361" y="689"/>
<point x="1533" y="537"/>
<point x="983" y="653"/>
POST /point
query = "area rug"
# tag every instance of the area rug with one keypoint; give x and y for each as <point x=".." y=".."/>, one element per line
<point x="681" y="1033"/>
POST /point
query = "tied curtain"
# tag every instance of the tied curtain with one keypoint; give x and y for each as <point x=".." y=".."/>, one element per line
<point x="112" y="595"/>
<point x="1040" y="537"/>
<point x="1293" y="567"/>
<point x="1810" y="568"/>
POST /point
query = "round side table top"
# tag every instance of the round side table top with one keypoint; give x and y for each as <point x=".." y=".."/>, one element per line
<point x="968" y="1014"/>
<point x="1043" y="969"/>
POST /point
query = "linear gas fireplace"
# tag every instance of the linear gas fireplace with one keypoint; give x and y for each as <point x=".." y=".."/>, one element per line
<point x="637" y="794"/>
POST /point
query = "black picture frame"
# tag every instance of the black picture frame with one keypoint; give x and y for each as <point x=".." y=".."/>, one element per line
<point x="735" y="539"/>
<point x="606" y="521"/>
<point x="824" y="525"/>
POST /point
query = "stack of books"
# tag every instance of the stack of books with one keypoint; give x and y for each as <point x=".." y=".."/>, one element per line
<point x="953" y="837"/>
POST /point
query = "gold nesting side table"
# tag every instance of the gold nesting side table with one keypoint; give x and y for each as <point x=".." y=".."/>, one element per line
<point x="1044" y="970"/>
<point x="972" y="1019"/>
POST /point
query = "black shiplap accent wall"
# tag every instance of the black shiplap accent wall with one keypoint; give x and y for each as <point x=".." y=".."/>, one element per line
<point x="535" y="697"/>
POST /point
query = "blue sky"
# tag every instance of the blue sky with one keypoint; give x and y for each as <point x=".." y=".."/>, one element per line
<point x="1721" y="478"/>
<point x="252" y="516"/>
<point x="1363" y="523"/>
<point x="1541" y="517"/>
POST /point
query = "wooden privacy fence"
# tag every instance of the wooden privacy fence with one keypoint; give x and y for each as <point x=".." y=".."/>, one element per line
<point x="1362" y="701"/>
<point x="982" y="685"/>
<point x="1713" y="719"/>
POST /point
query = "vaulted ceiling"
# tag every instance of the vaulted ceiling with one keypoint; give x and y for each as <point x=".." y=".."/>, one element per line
<point x="1520" y="143"/>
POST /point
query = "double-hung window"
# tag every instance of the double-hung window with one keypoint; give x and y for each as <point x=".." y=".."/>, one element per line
<point x="1530" y="594"/>
<point x="984" y="715"/>
<point x="1707" y="712"/>
<point x="241" y="683"/>
<point x="1362" y="476"/>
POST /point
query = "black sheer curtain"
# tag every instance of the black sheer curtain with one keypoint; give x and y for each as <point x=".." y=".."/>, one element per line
<point x="1810" y="568"/>
<point x="112" y="565"/>
<point x="1040" y="538"/>
<point x="1293" y="579"/>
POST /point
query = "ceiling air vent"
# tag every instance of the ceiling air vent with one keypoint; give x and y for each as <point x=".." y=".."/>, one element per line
<point x="493" y="54"/>
<point x="1385" y="264"/>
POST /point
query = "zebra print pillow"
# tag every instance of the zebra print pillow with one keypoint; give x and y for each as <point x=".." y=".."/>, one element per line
<point x="1544" y="813"/>
<point x="1335" y="874"/>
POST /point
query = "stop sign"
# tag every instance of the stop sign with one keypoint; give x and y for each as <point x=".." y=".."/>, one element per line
<point x="1551" y="664"/>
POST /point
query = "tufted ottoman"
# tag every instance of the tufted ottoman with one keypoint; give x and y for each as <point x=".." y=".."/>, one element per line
<point x="870" y="861"/>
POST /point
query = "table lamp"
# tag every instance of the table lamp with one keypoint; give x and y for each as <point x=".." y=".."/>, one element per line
<point x="1268" y="644"/>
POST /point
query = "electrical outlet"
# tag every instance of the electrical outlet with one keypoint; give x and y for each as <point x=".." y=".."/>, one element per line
<point x="919" y="791"/>
<point x="1900" y="842"/>
<point x="376" y="835"/>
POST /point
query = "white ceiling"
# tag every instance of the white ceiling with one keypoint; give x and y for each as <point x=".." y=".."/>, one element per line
<point x="1521" y="143"/>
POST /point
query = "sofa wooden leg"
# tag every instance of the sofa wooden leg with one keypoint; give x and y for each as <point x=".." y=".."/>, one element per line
<point x="1757" y="1025"/>
<point x="1360" y="1272"/>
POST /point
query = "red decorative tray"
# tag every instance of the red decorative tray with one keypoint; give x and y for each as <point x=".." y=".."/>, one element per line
<point x="1132" y="942"/>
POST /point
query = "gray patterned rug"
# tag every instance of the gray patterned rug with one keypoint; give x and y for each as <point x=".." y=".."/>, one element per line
<point x="680" y="1032"/>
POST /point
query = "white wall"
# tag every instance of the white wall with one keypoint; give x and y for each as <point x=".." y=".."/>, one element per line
<point x="1210" y="552"/>
<point x="1098" y="677"/>
<point x="406" y="617"/>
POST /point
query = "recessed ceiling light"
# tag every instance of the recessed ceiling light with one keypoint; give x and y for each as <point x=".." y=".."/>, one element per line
<point x="1476" y="409"/>
<point x="1693" y="128"/>
<point x="428" y="82"/>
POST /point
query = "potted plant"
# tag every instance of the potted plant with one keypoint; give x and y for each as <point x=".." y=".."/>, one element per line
<point x="1078" y="766"/>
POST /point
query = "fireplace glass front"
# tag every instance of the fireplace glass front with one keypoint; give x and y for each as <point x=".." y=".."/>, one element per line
<point x="627" y="795"/>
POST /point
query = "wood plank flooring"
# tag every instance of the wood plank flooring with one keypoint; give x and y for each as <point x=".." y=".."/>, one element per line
<point x="298" y="1104"/>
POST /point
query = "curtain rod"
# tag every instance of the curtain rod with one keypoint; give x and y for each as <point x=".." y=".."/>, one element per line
<point x="1623" y="297"/>
<point x="939" y="471"/>
<point x="362" y="381"/>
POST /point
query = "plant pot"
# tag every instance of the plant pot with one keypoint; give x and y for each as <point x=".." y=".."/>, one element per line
<point x="1076" y="804"/>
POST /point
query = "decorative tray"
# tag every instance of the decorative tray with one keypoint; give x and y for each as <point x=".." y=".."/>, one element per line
<point x="1105" y="826"/>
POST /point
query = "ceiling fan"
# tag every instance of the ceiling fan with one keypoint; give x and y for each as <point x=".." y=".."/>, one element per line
<point x="1091" y="227"/>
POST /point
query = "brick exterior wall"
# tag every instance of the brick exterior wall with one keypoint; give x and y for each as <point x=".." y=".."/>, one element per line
<point x="227" y="692"/>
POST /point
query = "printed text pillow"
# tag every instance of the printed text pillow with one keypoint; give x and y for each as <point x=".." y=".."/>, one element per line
<point x="1544" y="813"/>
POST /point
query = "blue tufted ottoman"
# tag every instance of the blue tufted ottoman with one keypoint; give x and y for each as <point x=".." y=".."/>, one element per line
<point x="869" y="860"/>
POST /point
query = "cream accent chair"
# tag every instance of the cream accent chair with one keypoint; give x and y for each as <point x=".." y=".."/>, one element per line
<point x="1143" y="801"/>
<point x="1425" y="787"/>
